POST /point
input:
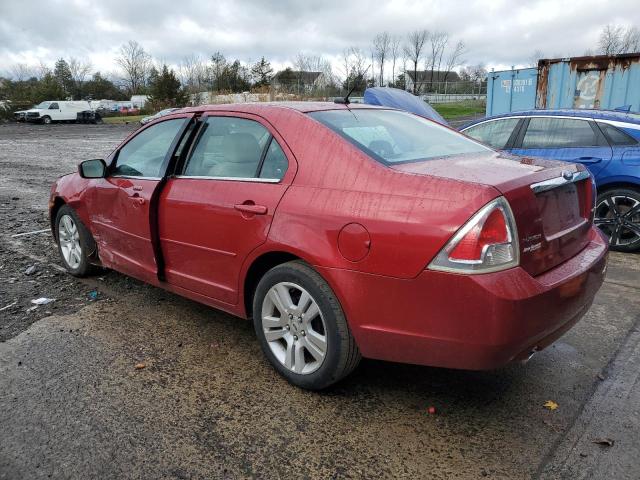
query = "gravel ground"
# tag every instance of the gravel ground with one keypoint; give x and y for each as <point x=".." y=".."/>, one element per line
<point x="207" y="405"/>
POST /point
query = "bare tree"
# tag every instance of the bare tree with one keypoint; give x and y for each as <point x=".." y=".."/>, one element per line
<point x="610" y="39"/>
<point x="354" y="61"/>
<point x="381" y="45"/>
<point x="455" y="58"/>
<point x="135" y="63"/>
<point x="79" y="70"/>
<point x="394" y="50"/>
<point x="193" y="73"/>
<point x="437" y="42"/>
<point x="631" y="40"/>
<point x="22" y="71"/>
<point x="616" y="39"/>
<point x="414" y="51"/>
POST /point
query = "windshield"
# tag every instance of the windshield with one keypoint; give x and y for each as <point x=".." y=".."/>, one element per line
<point x="392" y="137"/>
<point x="43" y="105"/>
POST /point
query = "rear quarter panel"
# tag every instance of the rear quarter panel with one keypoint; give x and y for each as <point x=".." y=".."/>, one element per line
<point x="408" y="217"/>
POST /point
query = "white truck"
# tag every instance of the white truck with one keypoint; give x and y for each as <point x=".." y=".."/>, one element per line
<point x="56" y="111"/>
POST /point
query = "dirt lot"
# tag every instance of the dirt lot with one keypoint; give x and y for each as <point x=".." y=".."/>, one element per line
<point x="207" y="405"/>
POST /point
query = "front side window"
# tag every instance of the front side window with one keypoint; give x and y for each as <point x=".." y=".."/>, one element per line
<point x="144" y="154"/>
<point x="392" y="137"/>
<point x="495" y="133"/>
<point x="54" y="106"/>
<point x="551" y="132"/>
<point x="231" y="147"/>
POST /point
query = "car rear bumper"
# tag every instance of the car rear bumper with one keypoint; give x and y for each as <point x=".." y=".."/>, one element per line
<point x="473" y="322"/>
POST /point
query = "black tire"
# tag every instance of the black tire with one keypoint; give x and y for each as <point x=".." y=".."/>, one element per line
<point x="46" y="120"/>
<point x="342" y="355"/>
<point x="88" y="248"/>
<point x="621" y="224"/>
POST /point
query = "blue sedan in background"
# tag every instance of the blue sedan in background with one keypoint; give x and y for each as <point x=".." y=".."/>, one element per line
<point x="606" y="142"/>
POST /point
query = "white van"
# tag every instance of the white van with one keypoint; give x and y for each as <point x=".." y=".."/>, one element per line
<point x="56" y="111"/>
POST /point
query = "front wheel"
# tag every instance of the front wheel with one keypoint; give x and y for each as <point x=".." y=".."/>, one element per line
<point x="46" y="120"/>
<point x="617" y="214"/>
<point x="302" y="328"/>
<point x="75" y="243"/>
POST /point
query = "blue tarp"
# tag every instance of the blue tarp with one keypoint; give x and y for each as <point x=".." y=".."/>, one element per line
<point x="396" y="98"/>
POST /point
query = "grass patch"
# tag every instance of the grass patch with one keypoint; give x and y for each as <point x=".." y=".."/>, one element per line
<point x="125" y="119"/>
<point x="451" y="111"/>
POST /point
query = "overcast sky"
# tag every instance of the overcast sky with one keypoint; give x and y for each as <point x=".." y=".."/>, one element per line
<point x="497" y="33"/>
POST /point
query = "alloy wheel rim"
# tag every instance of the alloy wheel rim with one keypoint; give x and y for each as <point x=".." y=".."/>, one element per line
<point x="618" y="216"/>
<point x="69" y="239"/>
<point x="294" y="328"/>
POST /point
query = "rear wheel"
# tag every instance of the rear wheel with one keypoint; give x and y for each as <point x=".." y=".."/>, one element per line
<point x="302" y="328"/>
<point x="618" y="216"/>
<point x="75" y="243"/>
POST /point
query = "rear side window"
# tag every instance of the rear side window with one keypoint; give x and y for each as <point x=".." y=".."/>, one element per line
<point x="275" y="162"/>
<point x="495" y="133"/>
<point x="231" y="147"/>
<point x="144" y="154"/>
<point x="615" y="135"/>
<point x="392" y="137"/>
<point x="559" y="133"/>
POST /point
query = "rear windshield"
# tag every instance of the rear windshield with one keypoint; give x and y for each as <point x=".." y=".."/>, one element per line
<point x="393" y="137"/>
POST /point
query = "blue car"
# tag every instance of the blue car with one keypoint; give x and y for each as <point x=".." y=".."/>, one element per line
<point x="606" y="142"/>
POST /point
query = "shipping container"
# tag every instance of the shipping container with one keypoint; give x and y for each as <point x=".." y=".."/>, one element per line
<point x="511" y="90"/>
<point x="600" y="82"/>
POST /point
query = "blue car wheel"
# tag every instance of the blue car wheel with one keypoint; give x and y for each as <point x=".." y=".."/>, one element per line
<point x="617" y="214"/>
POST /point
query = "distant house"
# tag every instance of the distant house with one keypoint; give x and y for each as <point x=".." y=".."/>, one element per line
<point x="296" y="80"/>
<point x="426" y="77"/>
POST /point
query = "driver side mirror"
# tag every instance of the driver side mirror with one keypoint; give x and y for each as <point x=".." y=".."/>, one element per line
<point x="96" y="168"/>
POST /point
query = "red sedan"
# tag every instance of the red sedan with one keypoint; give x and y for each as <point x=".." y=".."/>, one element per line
<point x="342" y="231"/>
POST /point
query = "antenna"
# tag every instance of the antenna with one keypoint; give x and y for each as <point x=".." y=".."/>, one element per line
<point x="345" y="100"/>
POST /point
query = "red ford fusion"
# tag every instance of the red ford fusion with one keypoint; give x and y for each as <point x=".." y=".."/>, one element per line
<point x="342" y="231"/>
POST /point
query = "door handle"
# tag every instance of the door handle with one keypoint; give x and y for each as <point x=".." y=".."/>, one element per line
<point x="137" y="199"/>
<point x="251" y="208"/>
<point x="589" y="160"/>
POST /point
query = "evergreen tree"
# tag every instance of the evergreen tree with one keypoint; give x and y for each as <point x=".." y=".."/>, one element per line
<point x="99" y="87"/>
<point x="62" y="74"/>
<point x="261" y="73"/>
<point x="165" y="88"/>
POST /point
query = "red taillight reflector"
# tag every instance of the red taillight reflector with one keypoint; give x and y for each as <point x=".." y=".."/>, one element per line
<point x="493" y="231"/>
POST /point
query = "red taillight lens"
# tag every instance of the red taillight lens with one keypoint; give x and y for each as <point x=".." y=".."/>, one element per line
<point x="488" y="242"/>
<point x="493" y="231"/>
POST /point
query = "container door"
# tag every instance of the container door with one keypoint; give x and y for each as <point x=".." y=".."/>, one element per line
<point x="589" y="88"/>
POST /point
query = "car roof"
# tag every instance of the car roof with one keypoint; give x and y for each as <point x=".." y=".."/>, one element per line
<point x="613" y="115"/>
<point x="262" y="107"/>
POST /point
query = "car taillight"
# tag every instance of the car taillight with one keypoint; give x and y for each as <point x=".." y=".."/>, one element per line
<point x="488" y="242"/>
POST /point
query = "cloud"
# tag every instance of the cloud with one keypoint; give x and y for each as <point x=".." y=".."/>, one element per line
<point x="498" y="33"/>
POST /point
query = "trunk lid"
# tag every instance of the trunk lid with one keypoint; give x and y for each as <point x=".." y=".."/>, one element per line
<point x="551" y="200"/>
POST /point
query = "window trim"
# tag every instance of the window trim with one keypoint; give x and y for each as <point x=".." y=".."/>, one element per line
<point x="256" y="178"/>
<point x="230" y="179"/>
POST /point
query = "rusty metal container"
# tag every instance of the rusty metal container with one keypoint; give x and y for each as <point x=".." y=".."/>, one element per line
<point x="600" y="82"/>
